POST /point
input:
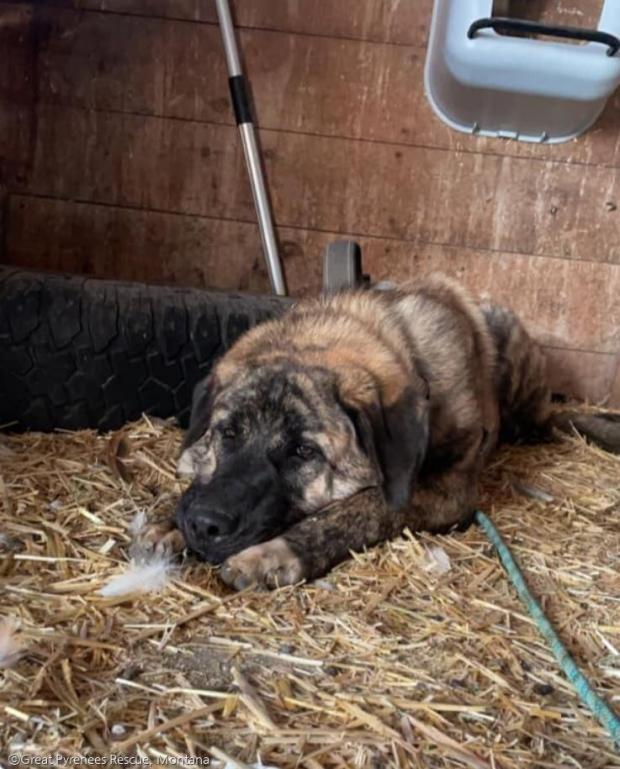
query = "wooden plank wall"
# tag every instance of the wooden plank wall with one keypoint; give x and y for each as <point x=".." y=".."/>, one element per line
<point x="119" y="158"/>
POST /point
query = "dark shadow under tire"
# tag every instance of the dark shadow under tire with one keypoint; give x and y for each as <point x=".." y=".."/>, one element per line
<point x="78" y="352"/>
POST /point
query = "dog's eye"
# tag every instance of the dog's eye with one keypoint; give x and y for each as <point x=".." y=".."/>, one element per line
<point x="306" y="451"/>
<point x="229" y="433"/>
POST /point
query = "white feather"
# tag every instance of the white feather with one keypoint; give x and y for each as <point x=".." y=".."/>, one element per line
<point x="11" y="648"/>
<point x="138" y="523"/>
<point x="324" y="584"/>
<point x="145" y="576"/>
<point x="438" y="560"/>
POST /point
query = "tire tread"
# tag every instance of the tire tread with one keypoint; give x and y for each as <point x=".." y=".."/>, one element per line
<point x="80" y="352"/>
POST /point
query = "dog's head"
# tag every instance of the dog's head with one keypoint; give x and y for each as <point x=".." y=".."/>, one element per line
<point x="281" y="440"/>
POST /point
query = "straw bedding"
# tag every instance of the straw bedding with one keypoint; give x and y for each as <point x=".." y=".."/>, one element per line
<point x="416" y="654"/>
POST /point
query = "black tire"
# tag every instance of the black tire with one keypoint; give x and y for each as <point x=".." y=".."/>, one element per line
<point x="78" y="352"/>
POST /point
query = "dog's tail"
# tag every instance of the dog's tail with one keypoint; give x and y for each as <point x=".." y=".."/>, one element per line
<point x="602" y="429"/>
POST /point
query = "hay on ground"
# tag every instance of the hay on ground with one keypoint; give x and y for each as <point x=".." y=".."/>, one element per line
<point x="415" y="654"/>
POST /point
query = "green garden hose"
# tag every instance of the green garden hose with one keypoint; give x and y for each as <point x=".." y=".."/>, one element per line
<point x="603" y="712"/>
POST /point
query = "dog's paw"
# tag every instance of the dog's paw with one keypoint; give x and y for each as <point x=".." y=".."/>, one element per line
<point x="271" y="564"/>
<point x="162" y="538"/>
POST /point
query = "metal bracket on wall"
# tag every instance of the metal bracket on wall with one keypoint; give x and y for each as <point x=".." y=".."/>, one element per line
<point x="342" y="267"/>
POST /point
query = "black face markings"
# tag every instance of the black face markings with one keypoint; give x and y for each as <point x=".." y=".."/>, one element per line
<point x="213" y="516"/>
<point x="264" y="459"/>
<point x="279" y="421"/>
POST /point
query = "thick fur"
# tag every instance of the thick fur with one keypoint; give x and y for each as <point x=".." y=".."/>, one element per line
<point x="354" y="416"/>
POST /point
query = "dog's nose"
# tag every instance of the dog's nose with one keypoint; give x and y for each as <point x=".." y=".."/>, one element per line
<point x="209" y="524"/>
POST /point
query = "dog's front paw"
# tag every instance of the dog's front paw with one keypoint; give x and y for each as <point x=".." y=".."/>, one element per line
<point x="162" y="538"/>
<point x="271" y="564"/>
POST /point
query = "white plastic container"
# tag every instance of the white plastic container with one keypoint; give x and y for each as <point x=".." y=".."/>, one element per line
<point x="534" y="90"/>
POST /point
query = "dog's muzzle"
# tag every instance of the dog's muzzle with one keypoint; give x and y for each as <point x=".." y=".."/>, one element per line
<point x="241" y="505"/>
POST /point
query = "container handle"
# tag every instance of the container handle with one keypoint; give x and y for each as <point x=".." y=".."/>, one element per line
<point x="503" y="24"/>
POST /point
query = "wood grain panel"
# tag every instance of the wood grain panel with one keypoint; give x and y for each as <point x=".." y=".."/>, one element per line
<point x="614" y="397"/>
<point x="17" y="103"/>
<point x="565" y="303"/>
<point x="130" y="244"/>
<point x="141" y="162"/>
<point x="477" y="201"/>
<point x="388" y="21"/>
<point x="127" y="115"/>
<point x="17" y="92"/>
<point x="394" y="21"/>
<point x="302" y="83"/>
<point x="576" y="13"/>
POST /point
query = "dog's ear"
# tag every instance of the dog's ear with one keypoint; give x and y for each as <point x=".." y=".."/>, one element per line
<point x="395" y="437"/>
<point x="199" y="420"/>
<point x="401" y="436"/>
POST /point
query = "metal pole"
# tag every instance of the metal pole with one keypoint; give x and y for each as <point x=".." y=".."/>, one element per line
<point x="243" y="116"/>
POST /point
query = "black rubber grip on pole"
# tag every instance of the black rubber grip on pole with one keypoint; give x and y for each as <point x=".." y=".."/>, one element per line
<point x="240" y="99"/>
<point x="507" y="25"/>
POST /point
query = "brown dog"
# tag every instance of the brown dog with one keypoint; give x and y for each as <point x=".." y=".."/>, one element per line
<point x="351" y="417"/>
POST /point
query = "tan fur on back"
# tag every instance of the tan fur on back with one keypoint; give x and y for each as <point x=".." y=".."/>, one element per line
<point x="367" y="337"/>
